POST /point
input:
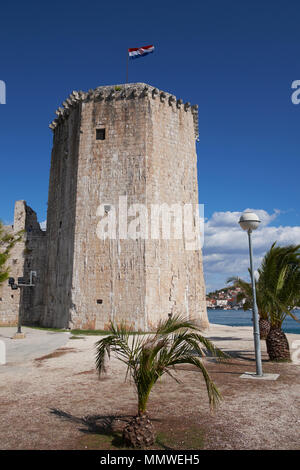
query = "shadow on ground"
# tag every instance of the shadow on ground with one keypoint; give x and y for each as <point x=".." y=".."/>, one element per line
<point x="104" y="432"/>
<point x="244" y="355"/>
<point x="105" y="425"/>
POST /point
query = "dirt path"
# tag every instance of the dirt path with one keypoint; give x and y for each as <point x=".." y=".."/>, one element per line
<point x="57" y="401"/>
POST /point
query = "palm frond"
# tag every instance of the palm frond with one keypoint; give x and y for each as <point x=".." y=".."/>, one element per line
<point x="214" y="395"/>
<point x="177" y="340"/>
<point x="278" y="285"/>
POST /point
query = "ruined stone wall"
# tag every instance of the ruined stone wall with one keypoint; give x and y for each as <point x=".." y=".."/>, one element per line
<point x="148" y="155"/>
<point x="10" y="299"/>
<point x="32" y="298"/>
<point x="27" y="255"/>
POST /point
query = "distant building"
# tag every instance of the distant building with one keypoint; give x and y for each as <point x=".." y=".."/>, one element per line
<point x="210" y="303"/>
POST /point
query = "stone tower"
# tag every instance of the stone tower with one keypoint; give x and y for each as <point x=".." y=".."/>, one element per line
<point x="136" y="143"/>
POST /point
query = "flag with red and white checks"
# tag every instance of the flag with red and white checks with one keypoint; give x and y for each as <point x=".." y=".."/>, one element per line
<point x="136" y="52"/>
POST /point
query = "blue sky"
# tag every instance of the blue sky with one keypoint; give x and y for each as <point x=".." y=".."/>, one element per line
<point x="236" y="60"/>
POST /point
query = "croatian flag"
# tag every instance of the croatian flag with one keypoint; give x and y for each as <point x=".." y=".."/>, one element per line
<point x="137" y="52"/>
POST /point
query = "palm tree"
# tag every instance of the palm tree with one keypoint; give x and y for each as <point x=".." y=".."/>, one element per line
<point x="177" y="340"/>
<point x="246" y="295"/>
<point x="277" y="292"/>
<point x="279" y="279"/>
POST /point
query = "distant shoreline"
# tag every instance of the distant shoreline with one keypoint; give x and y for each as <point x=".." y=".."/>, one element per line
<point x="219" y="325"/>
<point x="241" y="318"/>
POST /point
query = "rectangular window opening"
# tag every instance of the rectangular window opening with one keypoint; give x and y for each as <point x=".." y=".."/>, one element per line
<point x="100" y="134"/>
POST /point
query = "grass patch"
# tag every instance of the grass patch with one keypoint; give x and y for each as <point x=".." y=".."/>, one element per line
<point x="77" y="332"/>
<point x="89" y="332"/>
<point x="180" y="439"/>
<point x="73" y="332"/>
<point x="105" y="332"/>
<point x="180" y="435"/>
<point x="189" y="439"/>
<point x="109" y="441"/>
<point x="55" y="330"/>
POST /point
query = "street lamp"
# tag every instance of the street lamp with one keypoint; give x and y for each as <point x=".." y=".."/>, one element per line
<point x="249" y="221"/>
<point x="14" y="286"/>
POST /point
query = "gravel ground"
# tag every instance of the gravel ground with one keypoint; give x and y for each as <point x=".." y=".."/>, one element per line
<point x="53" y="398"/>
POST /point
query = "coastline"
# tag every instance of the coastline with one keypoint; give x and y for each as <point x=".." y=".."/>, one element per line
<point x="238" y="340"/>
<point x="219" y="325"/>
<point x="237" y="318"/>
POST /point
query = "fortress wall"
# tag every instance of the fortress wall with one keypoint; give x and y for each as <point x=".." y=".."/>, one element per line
<point x="148" y="155"/>
<point x="175" y="282"/>
<point x="109" y="271"/>
<point x="61" y="222"/>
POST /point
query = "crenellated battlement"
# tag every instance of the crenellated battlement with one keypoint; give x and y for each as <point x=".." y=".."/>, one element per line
<point x="123" y="92"/>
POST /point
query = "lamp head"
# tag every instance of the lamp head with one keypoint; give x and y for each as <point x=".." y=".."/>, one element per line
<point x="249" y="221"/>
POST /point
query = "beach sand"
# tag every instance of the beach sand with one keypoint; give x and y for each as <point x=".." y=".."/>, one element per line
<point x="56" y="401"/>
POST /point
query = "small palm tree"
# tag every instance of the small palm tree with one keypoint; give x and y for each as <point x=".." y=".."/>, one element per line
<point x="277" y="293"/>
<point x="176" y="341"/>
<point x="279" y="279"/>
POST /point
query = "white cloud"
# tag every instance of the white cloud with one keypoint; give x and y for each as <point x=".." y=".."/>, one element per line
<point x="225" y="250"/>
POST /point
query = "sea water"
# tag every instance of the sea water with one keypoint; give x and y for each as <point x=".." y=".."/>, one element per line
<point x="241" y="318"/>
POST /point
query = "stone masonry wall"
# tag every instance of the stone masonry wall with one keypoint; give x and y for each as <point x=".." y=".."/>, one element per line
<point x="175" y="282"/>
<point x="26" y="255"/>
<point x="61" y="212"/>
<point x="148" y="155"/>
<point x="32" y="298"/>
<point x="112" y="271"/>
<point x="10" y="299"/>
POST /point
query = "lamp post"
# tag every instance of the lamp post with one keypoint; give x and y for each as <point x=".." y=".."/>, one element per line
<point x="14" y="286"/>
<point x="249" y="221"/>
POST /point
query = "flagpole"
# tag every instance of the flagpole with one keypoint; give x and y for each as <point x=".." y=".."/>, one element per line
<point x="127" y="67"/>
